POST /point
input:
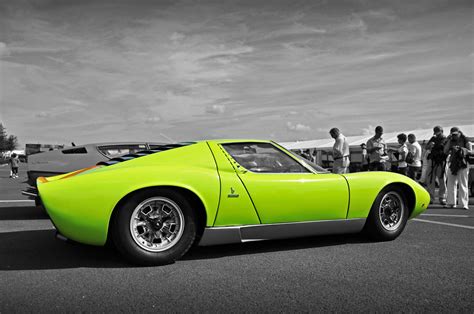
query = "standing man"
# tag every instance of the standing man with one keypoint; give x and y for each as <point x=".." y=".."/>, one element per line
<point x="459" y="149"/>
<point x="402" y="166"/>
<point x="377" y="150"/>
<point x="436" y="165"/>
<point x="414" y="156"/>
<point x="340" y="151"/>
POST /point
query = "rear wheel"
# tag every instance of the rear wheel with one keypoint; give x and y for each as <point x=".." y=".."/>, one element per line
<point x="388" y="216"/>
<point x="154" y="227"/>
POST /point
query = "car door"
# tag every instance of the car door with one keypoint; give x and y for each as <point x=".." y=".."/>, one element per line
<point x="283" y="189"/>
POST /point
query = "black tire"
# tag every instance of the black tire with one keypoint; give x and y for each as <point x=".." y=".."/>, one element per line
<point x="128" y="245"/>
<point x="375" y="228"/>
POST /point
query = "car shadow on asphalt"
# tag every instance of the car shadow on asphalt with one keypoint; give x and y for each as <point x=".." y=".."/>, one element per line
<point x="259" y="247"/>
<point x="37" y="250"/>
<point x="23" y="213"/>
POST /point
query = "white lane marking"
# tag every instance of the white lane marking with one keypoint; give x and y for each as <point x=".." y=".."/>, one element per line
<point x="16" y="201"/>
<point x="25" y="225"/>
<point x="444" y="223"/>
<point x="443" y="215"/>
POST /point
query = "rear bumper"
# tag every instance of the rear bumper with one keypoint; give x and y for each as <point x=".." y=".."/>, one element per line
<point x="33" y="193"/>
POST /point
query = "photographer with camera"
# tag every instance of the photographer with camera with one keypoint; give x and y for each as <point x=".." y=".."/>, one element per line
<point x="436" y="165"/>
<point x="377" y="150"/>
<point x="459" y="149"/>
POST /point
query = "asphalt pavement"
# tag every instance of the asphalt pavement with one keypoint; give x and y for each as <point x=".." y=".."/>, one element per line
<point x="429" y="268"/>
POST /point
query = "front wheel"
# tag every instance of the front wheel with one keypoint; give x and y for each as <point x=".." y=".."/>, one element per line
<point x="388" y="216"/>
<point x="154" y="227"/>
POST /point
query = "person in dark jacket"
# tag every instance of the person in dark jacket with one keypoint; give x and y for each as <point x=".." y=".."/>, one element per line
<point x="377" y="150"/>
<point x="436" y="165"/>
<point x="458" y="148"/>
<point x="14" y="163"/>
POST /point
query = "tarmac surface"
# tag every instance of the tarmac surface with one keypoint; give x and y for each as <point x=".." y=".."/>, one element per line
<point x="429" y="268"/>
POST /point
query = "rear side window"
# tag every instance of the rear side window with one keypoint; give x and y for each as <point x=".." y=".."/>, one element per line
<point x="76" y="150"/>
<point x="263" y="158"/>
<point x="112" y="151"/>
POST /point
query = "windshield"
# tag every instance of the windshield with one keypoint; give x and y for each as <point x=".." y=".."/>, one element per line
<point x="263" y="157"/>
<point x="311" y="164"/>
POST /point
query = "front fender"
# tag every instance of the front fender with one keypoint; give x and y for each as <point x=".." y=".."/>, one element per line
<point x="365" y="186"/>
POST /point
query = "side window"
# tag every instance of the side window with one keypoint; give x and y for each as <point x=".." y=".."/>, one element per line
<point x="112" y="151"/>
<point x="263" y="158"/>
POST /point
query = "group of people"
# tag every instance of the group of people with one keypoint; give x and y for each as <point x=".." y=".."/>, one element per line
<point x="444" y="161"/>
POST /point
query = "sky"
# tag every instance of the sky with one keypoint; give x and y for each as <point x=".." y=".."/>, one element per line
<point x="117" y="70"/>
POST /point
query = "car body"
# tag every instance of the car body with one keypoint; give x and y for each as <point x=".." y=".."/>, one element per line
<point x="225" y="191"/>
<point x="68" y="159"/>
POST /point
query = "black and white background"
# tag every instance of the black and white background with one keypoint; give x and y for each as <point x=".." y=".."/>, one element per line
<point x="116" y="70"/>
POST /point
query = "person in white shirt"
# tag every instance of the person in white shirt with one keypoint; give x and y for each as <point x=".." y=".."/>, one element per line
<point x="365" y="158"/>
<point x="402" y="154"/>
<point x="414" y="157"/>
<point x="340" y="152"/>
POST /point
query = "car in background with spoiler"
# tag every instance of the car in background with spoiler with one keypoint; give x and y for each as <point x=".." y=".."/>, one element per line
<point x="68" y="159"/>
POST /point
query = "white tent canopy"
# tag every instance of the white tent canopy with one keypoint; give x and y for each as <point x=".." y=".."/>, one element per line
<point x="421" y="135"/>
<point x="9" y="153"/>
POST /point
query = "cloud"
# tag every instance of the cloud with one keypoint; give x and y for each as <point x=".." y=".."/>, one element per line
<point x="298" y="127"/>
<point x="380" y="15"/>
<point x="42" y="114"/>
<point x="380" y="56"/>
<point x="177" y="37"/>
<point x="355" y="23"/>
<point x="37" y="50"/>
<point x="205" y="63"/>
<point x="369" y="130"/>
<point x="226" y="53"/>
<point x="297" y="29"/>
<point x="153" y="119"/>
<point x="3" y="49"/>
<point x="215" y="109"/>
<point x="76" y="103"/>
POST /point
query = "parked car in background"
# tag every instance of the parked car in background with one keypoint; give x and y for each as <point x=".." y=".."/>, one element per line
<point x="67" y="159"/>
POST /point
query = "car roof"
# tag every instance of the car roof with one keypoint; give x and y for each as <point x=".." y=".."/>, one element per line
<point x="115" y="143"/>
<point x="217" y="141"/>
<point x="226" y="141"/>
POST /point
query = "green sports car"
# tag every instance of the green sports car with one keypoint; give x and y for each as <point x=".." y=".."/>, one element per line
<point x="153" y="205"/>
